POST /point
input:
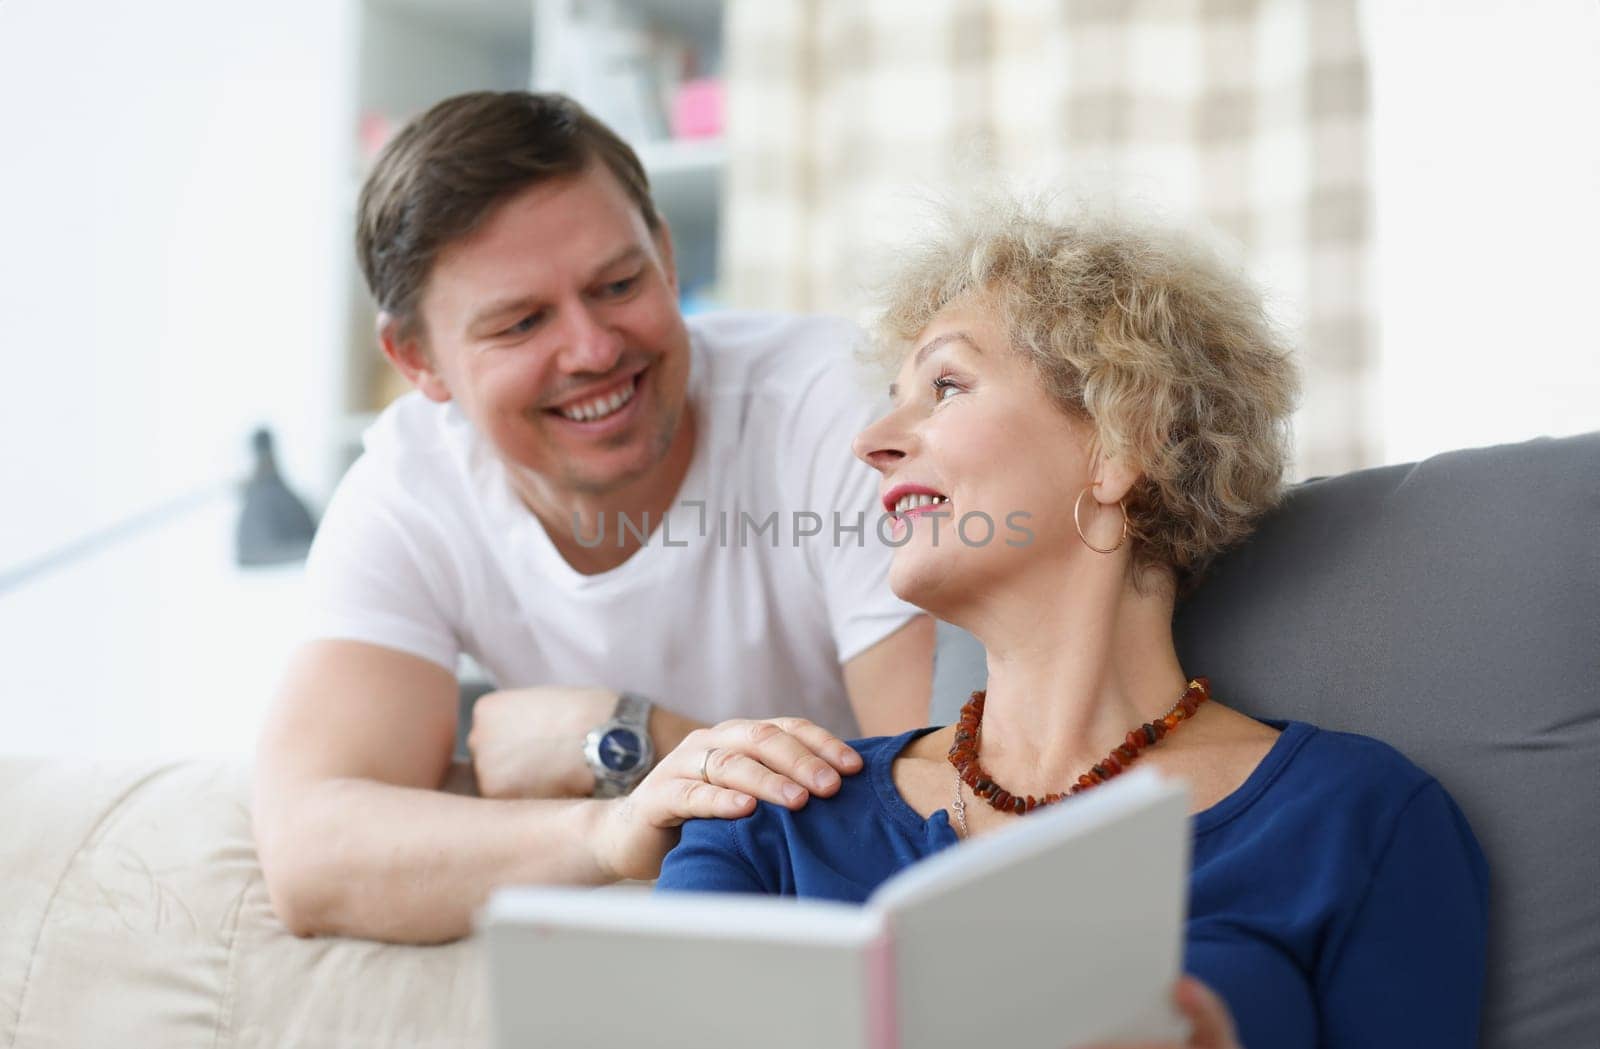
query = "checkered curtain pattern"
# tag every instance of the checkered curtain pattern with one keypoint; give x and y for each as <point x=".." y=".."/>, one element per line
<point x="1248" y="116"/>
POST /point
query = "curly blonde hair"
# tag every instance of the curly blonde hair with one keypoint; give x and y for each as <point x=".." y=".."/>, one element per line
<point x="1149" y="335"/>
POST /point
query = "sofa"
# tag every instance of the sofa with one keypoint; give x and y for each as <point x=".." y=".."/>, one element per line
<point x="1451" y="607"/>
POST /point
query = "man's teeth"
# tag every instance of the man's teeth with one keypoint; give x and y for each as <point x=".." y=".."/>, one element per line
<point x="600" y="407"/>
<point x="912" y="502"/>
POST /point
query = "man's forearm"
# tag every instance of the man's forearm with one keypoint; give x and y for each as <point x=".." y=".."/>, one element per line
<point x="360" y="858"/>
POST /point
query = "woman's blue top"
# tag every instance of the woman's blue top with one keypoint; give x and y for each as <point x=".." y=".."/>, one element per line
<point x="1337" y="898"/>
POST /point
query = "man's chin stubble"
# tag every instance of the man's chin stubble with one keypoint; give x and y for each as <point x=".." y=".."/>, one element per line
<point x="585" y="485"/>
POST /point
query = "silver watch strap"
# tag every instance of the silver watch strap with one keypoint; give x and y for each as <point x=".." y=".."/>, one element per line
<point x="634" y="710"/>
<point x="608" y="788"/>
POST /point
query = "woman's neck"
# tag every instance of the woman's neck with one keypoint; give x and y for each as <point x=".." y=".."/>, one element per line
<point x="1070" y="673"/>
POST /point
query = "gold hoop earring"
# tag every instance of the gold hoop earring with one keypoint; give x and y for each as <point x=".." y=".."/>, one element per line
<point x="1123" y="538"/>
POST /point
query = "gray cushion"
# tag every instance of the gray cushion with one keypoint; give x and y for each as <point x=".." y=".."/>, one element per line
<point x="1451" y="608"/>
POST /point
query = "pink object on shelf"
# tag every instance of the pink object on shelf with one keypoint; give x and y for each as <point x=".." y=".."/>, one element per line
<point x="375" y="131"/>
<point x="697" y="108"/>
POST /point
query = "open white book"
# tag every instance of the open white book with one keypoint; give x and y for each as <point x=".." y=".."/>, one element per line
<point x="1063" y="929"/>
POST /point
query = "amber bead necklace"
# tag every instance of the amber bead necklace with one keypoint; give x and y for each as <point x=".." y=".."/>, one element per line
<point x="964" y="755"/>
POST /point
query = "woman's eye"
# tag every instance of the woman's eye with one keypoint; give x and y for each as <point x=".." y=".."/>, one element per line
<point x="942" y="386"/>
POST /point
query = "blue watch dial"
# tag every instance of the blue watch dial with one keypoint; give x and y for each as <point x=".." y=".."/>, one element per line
<point x="621" y="750"/>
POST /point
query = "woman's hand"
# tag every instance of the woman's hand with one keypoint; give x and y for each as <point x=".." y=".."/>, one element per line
<point x="1210" y="1022"/>
<point x="719" y="772"/>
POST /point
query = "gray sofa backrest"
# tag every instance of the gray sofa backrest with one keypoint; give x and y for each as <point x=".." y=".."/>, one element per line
<point x="1451" y="608"/>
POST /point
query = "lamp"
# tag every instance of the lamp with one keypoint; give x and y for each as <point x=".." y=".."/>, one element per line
<point x="274" y="527"/>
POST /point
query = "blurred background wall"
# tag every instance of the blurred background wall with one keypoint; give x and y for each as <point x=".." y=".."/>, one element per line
<point x="177" y="184"/>
<point x="1249" y="117"/>
<point x="171" y="245"/>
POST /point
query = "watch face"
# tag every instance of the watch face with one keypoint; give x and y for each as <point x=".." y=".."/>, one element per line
<point x="621" y="750"/>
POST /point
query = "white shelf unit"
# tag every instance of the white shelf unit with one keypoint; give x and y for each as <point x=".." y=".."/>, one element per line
<point x="413" y="53"/>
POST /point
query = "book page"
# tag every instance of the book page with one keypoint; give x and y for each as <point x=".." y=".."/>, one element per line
<point x="575" y="968"/>
<point x="1064" y="929"/>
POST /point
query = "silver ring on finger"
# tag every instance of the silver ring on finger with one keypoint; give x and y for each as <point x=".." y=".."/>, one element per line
<point x="705" y="760"/>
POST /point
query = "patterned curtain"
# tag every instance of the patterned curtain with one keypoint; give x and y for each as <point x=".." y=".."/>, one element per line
<point x="1248" y="116"/>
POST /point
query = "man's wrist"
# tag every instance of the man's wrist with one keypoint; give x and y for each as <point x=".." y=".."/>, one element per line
<point x="619" y="751"/>
<point x="667" y="729"/>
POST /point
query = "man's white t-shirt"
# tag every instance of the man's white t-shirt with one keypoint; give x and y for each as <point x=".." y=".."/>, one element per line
<point x="729" y="610"/>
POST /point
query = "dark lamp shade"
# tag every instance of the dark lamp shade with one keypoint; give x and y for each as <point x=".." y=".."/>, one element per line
<point x="274" y="525"/>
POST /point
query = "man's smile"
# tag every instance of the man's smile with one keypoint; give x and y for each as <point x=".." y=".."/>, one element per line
<point x="603" y="405"/>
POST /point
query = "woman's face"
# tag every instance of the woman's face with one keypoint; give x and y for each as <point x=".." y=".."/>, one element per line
<point x="980" y="467"/>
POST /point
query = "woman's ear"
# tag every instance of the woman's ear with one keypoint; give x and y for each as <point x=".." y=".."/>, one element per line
<point x="404" y="348"/>
<point x="1114" y="476"/>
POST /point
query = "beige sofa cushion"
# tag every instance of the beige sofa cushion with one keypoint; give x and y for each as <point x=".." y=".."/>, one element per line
<point x="132" y="912"/>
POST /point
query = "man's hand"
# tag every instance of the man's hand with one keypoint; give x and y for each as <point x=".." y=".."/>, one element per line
<point x="528" y="742"/>
<point x="781" y="760"/>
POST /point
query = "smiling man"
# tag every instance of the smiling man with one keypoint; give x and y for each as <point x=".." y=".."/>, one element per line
<point x="640" y="526"/>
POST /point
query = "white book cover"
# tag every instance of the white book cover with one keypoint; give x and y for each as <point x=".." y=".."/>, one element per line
<point x="1064" y="928"/>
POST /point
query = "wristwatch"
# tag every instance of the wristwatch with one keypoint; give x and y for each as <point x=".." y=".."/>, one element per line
<point x="620" y="752"/>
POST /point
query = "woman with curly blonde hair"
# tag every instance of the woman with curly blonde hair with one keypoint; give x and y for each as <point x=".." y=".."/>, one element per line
<point x="1123" y="389"/>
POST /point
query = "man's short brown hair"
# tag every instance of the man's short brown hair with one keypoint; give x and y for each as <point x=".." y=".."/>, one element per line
<point x="449" y="168"/>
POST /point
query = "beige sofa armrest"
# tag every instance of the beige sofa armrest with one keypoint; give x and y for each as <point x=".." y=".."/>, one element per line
<point x="135" y="914"/>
